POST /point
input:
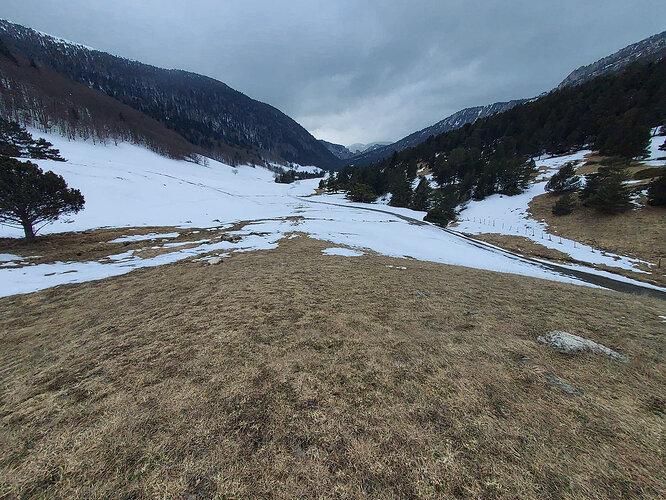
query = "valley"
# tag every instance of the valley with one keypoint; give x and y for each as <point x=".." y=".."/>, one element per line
<point x="201" y="300"/>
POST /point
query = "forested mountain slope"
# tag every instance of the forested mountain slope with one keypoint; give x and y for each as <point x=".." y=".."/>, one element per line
<point x="456" y="120"/>
<point x="651" y="49"/>
<point x="612" y="114"/>
<point x="206" y="112"/>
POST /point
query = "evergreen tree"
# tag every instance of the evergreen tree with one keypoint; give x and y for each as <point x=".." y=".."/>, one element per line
<point x="44" y="150"/>
<point x="445" y="206"/>
<point x="606" y="191"/>
<point x="362" y="193"/>
<point x="17" y="142"/>
<point x="401" y="191"/>
<point x="14" y="139"/>
<point x="28" y="196"/>
<point x="565" y="179"/>
<point x="628" y="137"/>
<point x="564" y="205"/>
<point x="656" y="194"/>
<point x="421" y="199"/>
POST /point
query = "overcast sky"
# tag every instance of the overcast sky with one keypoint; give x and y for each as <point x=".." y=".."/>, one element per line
<point x="358" y="71"/>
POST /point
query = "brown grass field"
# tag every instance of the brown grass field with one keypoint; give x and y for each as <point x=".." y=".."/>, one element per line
<point x="291" y="374"/>
<point x="638" y="233"/>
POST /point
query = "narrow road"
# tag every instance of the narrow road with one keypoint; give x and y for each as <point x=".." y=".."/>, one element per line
<point x="594" y="279"/>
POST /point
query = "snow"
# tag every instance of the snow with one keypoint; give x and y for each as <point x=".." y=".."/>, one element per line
<point x="345" y="252"/>
<point x="38" y="277"/>
<point x="8" y="257"/>
<point x="144" y="237"/>
<point x="657" y="158"/>
<point x="508" y="215"/>
<point x="129" y="186"/>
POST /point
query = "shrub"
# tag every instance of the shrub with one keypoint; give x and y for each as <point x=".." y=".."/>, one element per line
<point x="564" y="206"/>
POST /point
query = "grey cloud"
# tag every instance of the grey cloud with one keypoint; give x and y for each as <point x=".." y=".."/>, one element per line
<point x="358" y="71"/>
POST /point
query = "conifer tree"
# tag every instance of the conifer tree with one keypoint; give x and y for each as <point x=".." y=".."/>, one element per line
<point x="29" y="196"/>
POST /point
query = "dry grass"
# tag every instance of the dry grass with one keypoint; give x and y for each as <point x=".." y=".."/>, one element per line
<point x="529" y="248"/>
<point x="638" y="233"/>
<point x="593" y="161"/>
<point x="524" y="246"/>
<point x="290" y="374"/>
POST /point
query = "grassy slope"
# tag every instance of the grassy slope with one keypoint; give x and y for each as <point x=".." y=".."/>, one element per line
<point x="287" y="373"/>
<point x="638" y="233"/>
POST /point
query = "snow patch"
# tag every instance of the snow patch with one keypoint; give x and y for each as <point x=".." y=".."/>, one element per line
<point x="345" y="252"/>
<point x="144" y="237"/>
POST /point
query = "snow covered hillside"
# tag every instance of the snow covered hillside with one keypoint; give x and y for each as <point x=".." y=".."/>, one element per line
<point x="129" y="186"/>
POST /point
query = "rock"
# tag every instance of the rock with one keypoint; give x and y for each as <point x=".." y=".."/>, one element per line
<point x="214" y="261"/>
<point x="231" y="238"/>
<point x="567" y="343"/>
<point x="419" y="293"/>
<point x="558" y="382"/>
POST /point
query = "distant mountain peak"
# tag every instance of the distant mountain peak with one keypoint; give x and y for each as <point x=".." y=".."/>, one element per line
<point x="455" y="121"/>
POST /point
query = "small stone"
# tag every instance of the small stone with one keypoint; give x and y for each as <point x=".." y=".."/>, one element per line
<point x="471" y="313"/>
<point x="214" y="261"/>
<point x="558" y="382"/>
<point x="420" y="293"/>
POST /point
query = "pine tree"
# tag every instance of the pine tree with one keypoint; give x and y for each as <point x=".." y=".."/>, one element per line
<point x="564" y="206"/>
<point x="656" y="194"/>
<point x="28" y="196"/>
<point x="421" y="199"/>
<point x="44" y="150"/>
<point x="14" y="139"/>
<point x="401" y="191"/>
<point x="606" y="191"/>
<point x="565" y="179"/>
<point x="362" y="193"/>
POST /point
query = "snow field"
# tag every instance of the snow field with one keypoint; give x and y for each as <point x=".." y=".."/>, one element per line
<point x="129" y="186"/>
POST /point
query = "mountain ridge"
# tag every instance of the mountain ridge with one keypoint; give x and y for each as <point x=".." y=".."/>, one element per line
<point x="452" y="122"/>
<point x="650" y="49"/>
<point x="206" y="112"/>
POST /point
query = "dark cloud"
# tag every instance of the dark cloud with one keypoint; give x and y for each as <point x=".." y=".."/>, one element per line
<point x="353" y="70"/>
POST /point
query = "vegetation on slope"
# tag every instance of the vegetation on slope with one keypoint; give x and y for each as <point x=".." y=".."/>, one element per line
<point x="206" y="112"/>
<point x="612" y="114"/>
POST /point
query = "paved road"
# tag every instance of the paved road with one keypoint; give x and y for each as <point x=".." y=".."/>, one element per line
<point x="594" y="279"/>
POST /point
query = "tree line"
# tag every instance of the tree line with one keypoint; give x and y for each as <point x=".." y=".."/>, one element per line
<point x="612" y="114"/>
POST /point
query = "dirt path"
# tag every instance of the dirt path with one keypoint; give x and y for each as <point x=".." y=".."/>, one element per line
<point x="594" y="279"/>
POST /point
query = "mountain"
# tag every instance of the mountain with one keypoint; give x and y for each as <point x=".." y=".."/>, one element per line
<point x="46" y="100"/>
<point x="208" y="114"/>
<point x="338" y="150"/>
<point x="651" y="49"/>
<point x="359" y="148"/>
<point x="455" y="121"/>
